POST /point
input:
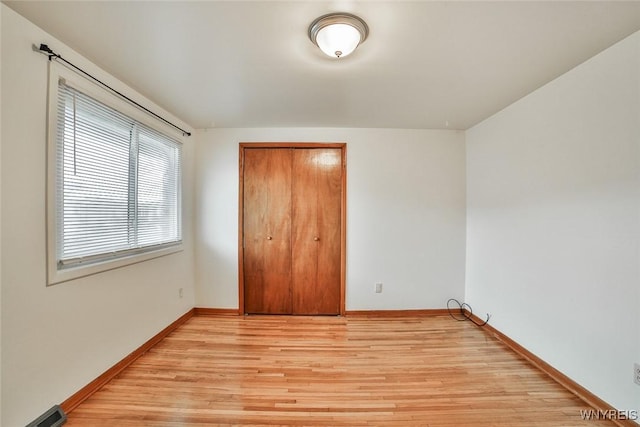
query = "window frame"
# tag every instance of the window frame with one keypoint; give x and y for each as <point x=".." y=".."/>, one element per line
<point x="55" y="274"/>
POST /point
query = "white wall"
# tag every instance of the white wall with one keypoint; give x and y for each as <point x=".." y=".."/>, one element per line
<point x="405" y="214"/>
<point x="553" y="225"/>
<point x="57" y="339"/>
<point x="1" y="13"/>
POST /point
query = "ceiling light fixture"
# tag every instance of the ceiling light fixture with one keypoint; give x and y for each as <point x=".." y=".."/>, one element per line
<point x="338" y="34"/>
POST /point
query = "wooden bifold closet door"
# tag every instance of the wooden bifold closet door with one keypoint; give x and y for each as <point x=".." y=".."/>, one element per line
<point x="291" y="225"/>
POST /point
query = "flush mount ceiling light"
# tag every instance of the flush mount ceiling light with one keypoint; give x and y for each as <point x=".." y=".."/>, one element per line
<point x="338" y="34"/>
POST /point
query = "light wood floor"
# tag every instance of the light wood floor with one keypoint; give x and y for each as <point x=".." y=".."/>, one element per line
<point x="329" y="371"/>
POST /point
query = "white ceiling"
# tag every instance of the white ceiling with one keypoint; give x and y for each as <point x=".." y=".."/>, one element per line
<point x="250" y="64"/>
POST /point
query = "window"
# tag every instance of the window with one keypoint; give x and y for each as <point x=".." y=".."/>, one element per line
<point x="115" y="195"/>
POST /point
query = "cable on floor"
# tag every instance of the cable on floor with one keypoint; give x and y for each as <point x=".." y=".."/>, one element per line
<point x="463" y="312"/>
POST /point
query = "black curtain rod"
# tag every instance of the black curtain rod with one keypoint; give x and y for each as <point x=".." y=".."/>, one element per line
<point x="51" y="54"/>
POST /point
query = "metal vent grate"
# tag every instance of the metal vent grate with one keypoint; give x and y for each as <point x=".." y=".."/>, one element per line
<point x="54" y="417"/>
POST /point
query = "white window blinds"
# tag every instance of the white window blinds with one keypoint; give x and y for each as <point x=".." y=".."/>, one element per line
<point x="117" y="183"/>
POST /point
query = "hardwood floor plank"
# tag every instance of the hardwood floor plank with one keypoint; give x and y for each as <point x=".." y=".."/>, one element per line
<point x="330" y="371"/>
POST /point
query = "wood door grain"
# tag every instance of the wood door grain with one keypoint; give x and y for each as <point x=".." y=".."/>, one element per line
<point x="267" y="231"/>
<point x="316" y="230"/>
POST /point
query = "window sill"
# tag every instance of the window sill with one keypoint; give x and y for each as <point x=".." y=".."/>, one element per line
<point x="64" y="275"/>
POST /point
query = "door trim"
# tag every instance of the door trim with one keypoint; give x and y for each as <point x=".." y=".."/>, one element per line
<point x="343" y="211"/>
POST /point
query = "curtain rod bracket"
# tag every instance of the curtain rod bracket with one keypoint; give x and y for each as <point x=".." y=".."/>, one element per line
<point x="46" y="50"/>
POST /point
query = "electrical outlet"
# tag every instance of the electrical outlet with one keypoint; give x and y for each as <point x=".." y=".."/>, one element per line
<point x="378" y="288"/>
<point x="636" y="373"/>
<point x="180" y="292"/>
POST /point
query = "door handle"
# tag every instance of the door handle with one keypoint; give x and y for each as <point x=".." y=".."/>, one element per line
<point x="316" y="238"/>
<point x="269" y="238"/>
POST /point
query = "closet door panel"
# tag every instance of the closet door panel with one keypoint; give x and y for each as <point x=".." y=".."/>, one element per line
<point x="316" y="201"/>
<point x="304" y="201"/>
<point x="267" y="231"/>
<point x="329" y="187"/>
